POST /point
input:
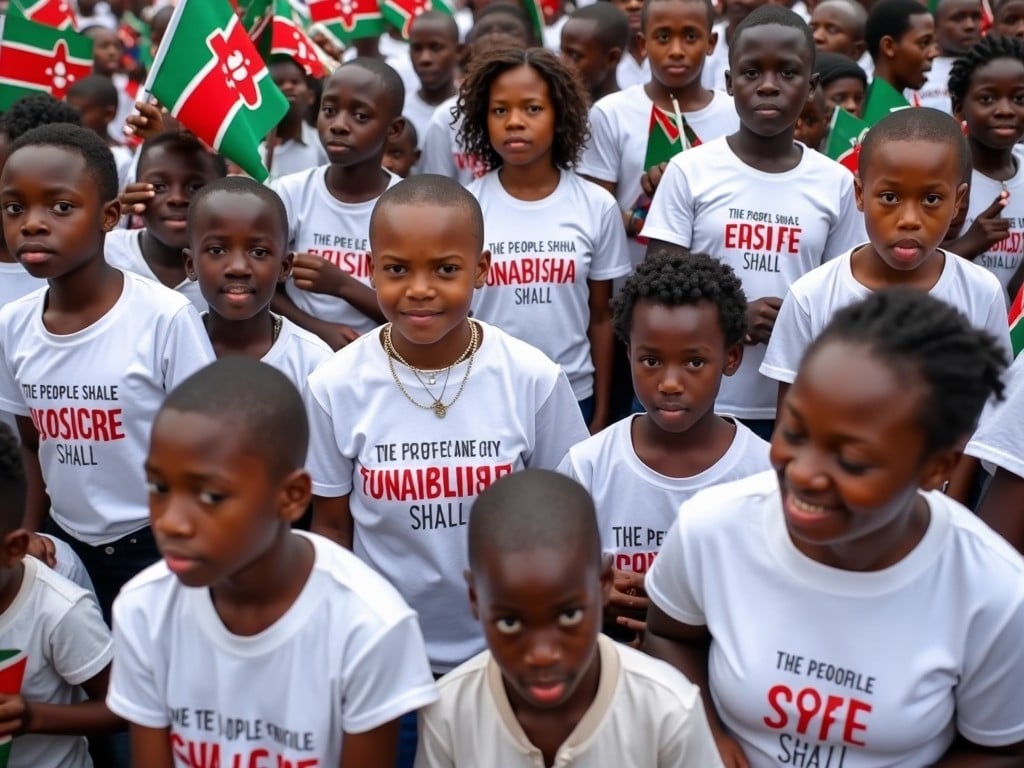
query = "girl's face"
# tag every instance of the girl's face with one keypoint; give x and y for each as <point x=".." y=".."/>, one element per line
<point x="994" y="104"/>
<point x="850" y="456"/>
<point x="521" y="118"/>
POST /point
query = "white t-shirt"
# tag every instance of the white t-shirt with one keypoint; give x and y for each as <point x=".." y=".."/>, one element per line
<point x="93" y="395"/>
<point x="635" y="504"/>
<point x="1003" y="258"/>
<point x="769" y="227"/>
<point x="935" y="91"/>
<point x="717" y="64"/>
<point x="124" y="159"/>
<point x="59" y="629"/>
<point x="418" y="112"/>
<point x="123" y="249"/>
<point x="346" y="657"/>
<point x="999" y="439"/>
<point x="297" y="353"/>
<point x="15" y="282"/>
<point x="631" y="72"/>
<point x="296" y="155"/>
<point x="846" y="668"/>
<point x="619" y="127"/>
<point x="817" y="296"/>
<point x="411" y="477"/>
<point x="320" y="224"/>
<point x="537" y="288"/>
<point x="645" y="715"/>
<point x="441" y="152"/>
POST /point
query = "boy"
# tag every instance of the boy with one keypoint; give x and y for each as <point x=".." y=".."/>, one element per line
<point x="253" y="644"/>
<point x="329" y="206"/>
<point x="401" y="153"/>
<point x="550" y="689"/>
<point x="107" y="52"/>
<point x="61" y="645"/>
<point x="95" y="98"/>
<point x="842" y="82"/>
<point x="594" y="39"/>
<point x="900" y="37"/>
<point x="812" y="125"/>
<point x="838" y="27"/>
<point x="735" y="11"/>
<point x="400" y="450"/>
<point x="957" y="30"/>
<point x="757" y="200"/>
<point x="87" y="360"/>
<point x="1008" y="18"/>
<point x="633" y="68"/>
<point x="909" y="186"/>
<point x="435" y="51"/>
<point x="297" y="145"/>
<point x="682" y="319"/>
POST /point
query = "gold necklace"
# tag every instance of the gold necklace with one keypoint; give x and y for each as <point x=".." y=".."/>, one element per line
<point x="439" y="408"/>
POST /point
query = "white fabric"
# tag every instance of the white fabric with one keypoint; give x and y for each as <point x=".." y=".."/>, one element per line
<point x="69" y="564"/>
<point x="15" y="282"/>
<point x="853" y="669"/>
<point x="295" y="155"/>
<point x="935" y="91"/>
<point x="999" y="439"/>
<point x="123" y="249"/>
<point x="645" y="715"/>
<point x="124" y="159"/>
<point x="817" y="296"/>
<point x="717" y="64"/>
<point x="401" y="62"/>
<point x="125" y="106"/>
<point x="297" y="353"/>
<point x="320" y="224"/>
<point x="419" y="113"/>
<point x="537" y="288"/>
<point x="631" y="72"/>
<point x="619" y="127"/>
<point x="636" y="504"/>
<point x="441" y="151"/>
<point x="59" y="628"/>
<point x="346" y="657"/>
<point x="552" y="33"/>
<point x="93" y="396"/>
<point x="769" y="227"/>
<point x="411" y="477"/>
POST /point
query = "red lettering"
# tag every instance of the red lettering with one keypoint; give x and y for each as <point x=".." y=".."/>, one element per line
<point x="807" y="712"/>
<point x="178" y="748"/>
<point x="67" y="423"/>
<point x="762" y="237"/>
<point x="832" y="704"/>
<point x="809" y="705"/>
<point x="856" y="707"/>
<point x="256" y="759"/>
<point x="776" y="694"/>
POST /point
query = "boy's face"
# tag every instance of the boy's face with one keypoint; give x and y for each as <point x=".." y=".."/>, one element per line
<point x="541" y="613"/>
<point x="237" y="251"/>
<point x="290" y="78"/>
<point x="495" y="25"/>
<point x="958" y="26"/>
<point x="426" y="264"/>
<point x="434" y="54"/>
<point x="356" y="117"/>
<point x="400" y="155"/>
<point x="847" y="93"/>
<point x="812" y="124"/>
<point x="911" y="56"/>
<point x="95" y="117"/>
<point x="106" y="51"/>
<point x="737" y="10"/>
<point x="582" y="52"/>
<point x="215" y="506"/>
<point x="770" y="78"/>
<point x="1009" y="19"/>
<point x="833" y="25"/>
<point x="677" y="37"/>
<point x="909" y="192"/>
<point x="54" y="221"/>
<point x="677" y="356"/>
<point x="634" y="12"/>
<point x="176" y="175"/>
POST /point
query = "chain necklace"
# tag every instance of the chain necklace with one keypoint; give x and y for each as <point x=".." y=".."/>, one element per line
<point x="439" y="408"/>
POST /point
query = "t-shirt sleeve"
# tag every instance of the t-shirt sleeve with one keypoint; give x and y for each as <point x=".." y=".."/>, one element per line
<point x="389" y="678"/>
<point x="999" y="438"/>
<point x="284" y="191"/>
<point x="559" y="426"/>
<point x="433" y="747"/>
<point x="848" y="228"/>
<point x="81" y="644"/>
<point x="689" y="742"/>
<point x="11" y="399"/>
<point x="186" y="348"/>
<point x="567" y="467"/>
<point x="671" y="583"/>
<point x="602" y="155"/>
<point x="134" y="693"/>
<point x="331" y="470"/>
<point x="436" y="148"/>
<point x="611" y="249"/>
<point x="789" y="340"/>
<point x="671" y="215"/>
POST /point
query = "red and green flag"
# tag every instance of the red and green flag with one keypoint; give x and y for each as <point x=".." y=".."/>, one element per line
<point x="12" y="673"/>
<point x="347" y="20"/>
<point x="542" y="13"/>
<point x="289" y="39"/>
<point x="667" y="136"/>
<point x="845" y="134"/>
<point x="401" y="13"/>
<point x="51" y="13"/>
<point x="1017" y="323"/>
<point x="882" y="99"/>
<point x="35" y="58"/>
<point x="208" y="74"/>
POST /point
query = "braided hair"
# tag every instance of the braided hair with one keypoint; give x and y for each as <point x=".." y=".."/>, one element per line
<point x="987" y="50"/>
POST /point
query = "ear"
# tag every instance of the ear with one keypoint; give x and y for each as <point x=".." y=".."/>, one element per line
<point x="417" y="153"/>
<point x="733" y="358"/>
<point x="295" y="493"/>
<point x="373" y="283"/>
<point x="109" y="113"/>
<point x="887" y="47"/>
<point x="190" y="264"/>
<point x="397" y="126"/>
<point x="859" y="46"/>
<point x="111" y="215"/>
<point x="613" y="57"/>
<point x="712" y="44"/>
<point x="642" y="47"/>
<point x="961" y="196"/>
<point x="958" y="110"/>
<point x="14" y="547"/>
<point x="938" y="469"/>
<point x="471" y="586"/>
<point x="286" y="267"/>
<point x="607" y="578"/>
<point x="812" y="86"/>
<point x="858" y="191"/>
<point x="728" y="82"/>
<point x="483" y="268"/>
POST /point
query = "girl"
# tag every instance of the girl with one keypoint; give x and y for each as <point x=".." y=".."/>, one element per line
<point x="524" y="114"/>
<point x="839" y="606"/>
<point x="987" y="89"/>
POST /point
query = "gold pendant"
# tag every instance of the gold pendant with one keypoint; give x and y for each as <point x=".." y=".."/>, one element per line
<point x="440" y="409"/>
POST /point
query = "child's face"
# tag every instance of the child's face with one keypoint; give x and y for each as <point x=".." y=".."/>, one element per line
<point x="677" y="356"/>
<point x="846" y="93"/>
<point x="215" y="506"/>
<point x="106" y="51"/>
<point x="541" y="613"/>
<point x="850" y="454"/>
<point x="355" y="117"/>
<point x="582" y="52"/>
<point x="290" y="78"/>
<point x="95" y="117"/>
<point x="737" y="10"/>
<point x="503" y="25"/>
<point x="812" y="124"/>
<point x="677" y="38"/>
<point x="434" y="54"/>
<point x="54" y="221"/>
<point x="400" y="155"/>
<point x="994" y="104"/>
<point x="833" y="25"/>
<point x="958" y="26"/>
<point x="521" y="118"/>
<point x="425" y="265"/>
<point x="237" y="251"/>
<point x="912" y="54"/>
<point x="909" y="192"/>
<point x="176" y="175"/>
<point x="634" y="12"/>
<point x="1009" y="19"/>
<point x="770" y="78"/>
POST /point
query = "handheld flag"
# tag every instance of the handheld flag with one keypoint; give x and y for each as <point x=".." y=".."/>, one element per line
<point x="1017" y="323"/>
<point x="347" y="20"/>
<point x="401" y="13"/>
<point x="12" y="674"/>
<point x="38" y="59"/>
<point x="845" y="134"/>
<point x="882" y="99"/>
<point x="289" y="39"/>
<point x="51" y="13"/>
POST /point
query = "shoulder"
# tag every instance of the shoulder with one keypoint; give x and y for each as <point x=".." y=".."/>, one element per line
<point x="825" y="171"/>
<point x="481" y="185"/>
<point x="23" y="308"/>
<point x="713" y="155"/>
<point x="978" y="279"/>
<point x="307" y="340"/>
<point x="627" y="99"/>
<point x="821" y="277"/>
<point x="656" y="684"/>
<point x="158" y="298"/>
<point x="722" y="509"/>
<point x="366" y="350"/>
<point x="592" y="449"/>
<point x="463" y="686"/>
<point x="981" y="551"/>
<point x="154" y="592"/>
<point x="56" y="593"/>
<point x="595" y="197"/>
<point x="287" y="186"/>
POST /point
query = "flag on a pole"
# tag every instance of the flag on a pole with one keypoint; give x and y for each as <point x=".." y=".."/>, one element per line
<point x="539" y="12"/>
<point x="208" y="74"/>
<point x="289" y="39"/>
<point x="881" y="99"/>
<point x="38" y="59"/>
<point x="347" y="20"/>
<point x="401" y="13"/>
<point x="51" y="13"/>
<point x="1017" y="323"/>
<point x="257" y="18"/>
<point x="845" y="134"/>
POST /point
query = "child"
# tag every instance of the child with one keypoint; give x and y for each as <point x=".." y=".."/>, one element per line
<point x="329" y="207"/>
<point x="253" y="644"/>
<point x="435" y="51"/>
<point x="1008" y="18"/>
<point x="173" y="166"/>
<point x="838" y="27"/>
<point x="682" y="319"/>
<point x="95" y="98"/>
<point x="812" y="125"/>
<point x="734" y="11"/>
<point x="842" y="82"/>
<point x="909" y="185"/>
<point x="400" y="451"/>
<point x="679" y="37"/>
<point x="400" y="153"/>
<point x="525" y="115"/>
<point x="297" y="145"/>
<point x="549" y="689"/>
<point x="594" y="40"/>
<point x="60" y="646"/>
<point x="87" y="360"/>
<point x="900" y="36"/>
<point x="762" y="203"/>
<point x="957" y="30"/>
<point x="238" y="255"/>
<point x="633" y="68"/>
<point x="107" y="53"/>
<point x="987" y="88"/>
<point x="845" y="558"/>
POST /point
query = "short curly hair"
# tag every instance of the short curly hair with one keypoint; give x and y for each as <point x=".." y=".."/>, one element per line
<point x="567" y="95"/>
<point x="35" y="110"/>
<point x="672" y="279"/>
